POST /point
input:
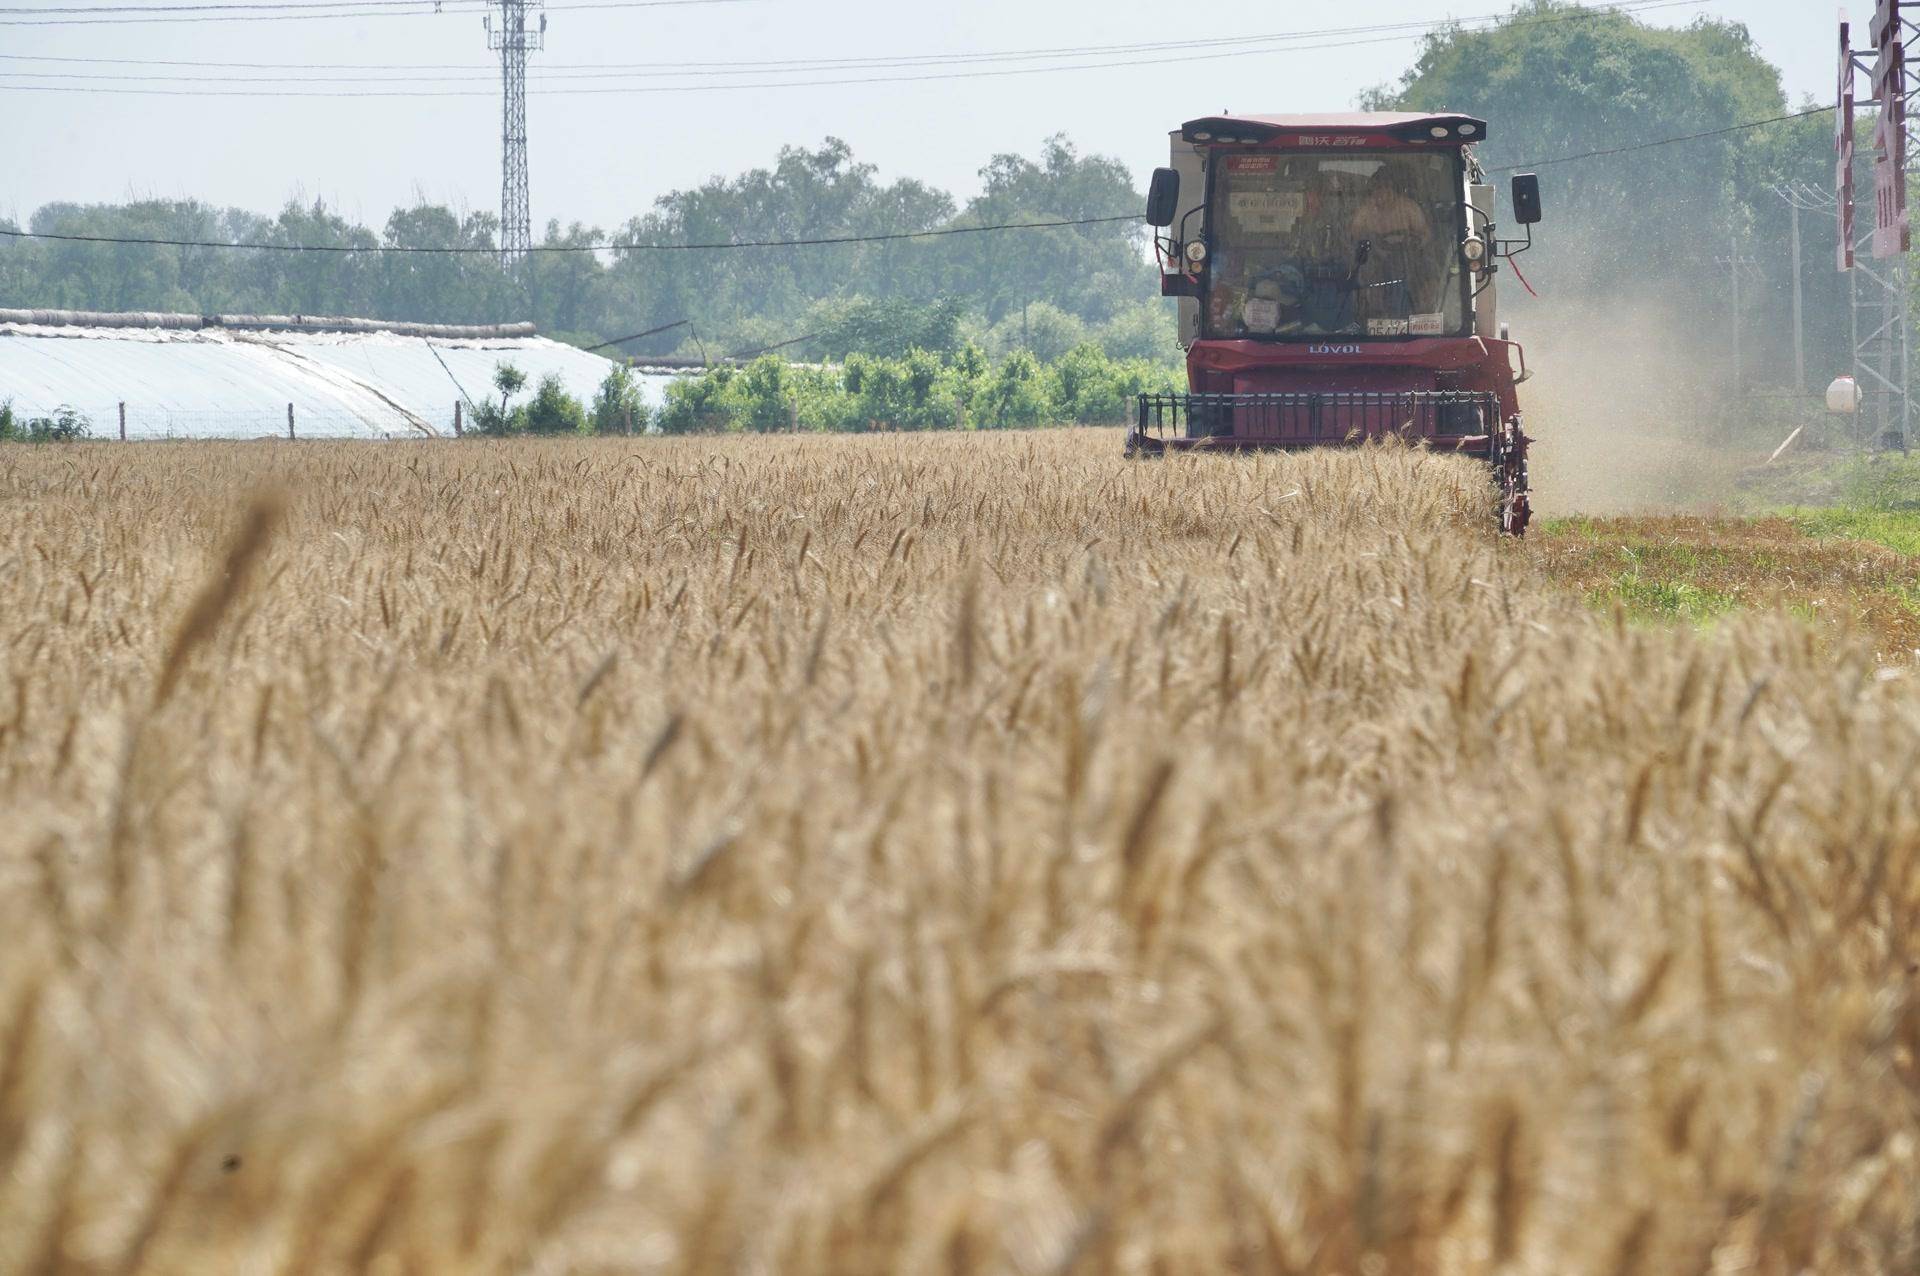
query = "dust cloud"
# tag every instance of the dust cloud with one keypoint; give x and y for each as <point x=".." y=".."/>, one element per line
<point x="1624" y="406"/>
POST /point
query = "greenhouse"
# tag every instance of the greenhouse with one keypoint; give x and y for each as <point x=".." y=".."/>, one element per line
<point x="190" y="376"/>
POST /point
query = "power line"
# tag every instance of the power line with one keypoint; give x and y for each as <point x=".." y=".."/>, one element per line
<point x="577" y="72"/>
<point x="619" y="341"/>
<point x="43" y="10"/>
<point x="1665" y="141"/>
<point x="267" y="89"/>
<point x="1210" y="50"/>
<point x="322" y="10"/>
<point x="571" y="248"/>
<point x="778" y="345"/>
<point x="881" y="61"/>
<point x="274" y="86"/>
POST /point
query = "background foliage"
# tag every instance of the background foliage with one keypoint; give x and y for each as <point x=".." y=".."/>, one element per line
<point x="921" y="390"/>
<point x="1654" y="227"/>
<point x="1630" y="239"/>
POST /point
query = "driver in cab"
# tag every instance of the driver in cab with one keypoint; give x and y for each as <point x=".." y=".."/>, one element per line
<point x="1389" y="235"/>
<point x="1387" y="212"/>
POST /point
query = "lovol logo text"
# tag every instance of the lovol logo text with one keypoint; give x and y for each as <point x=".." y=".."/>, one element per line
<point x="1333" y="349"/>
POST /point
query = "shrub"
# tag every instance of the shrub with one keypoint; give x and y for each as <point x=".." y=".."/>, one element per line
<point x="927" y="399"/>
<point x="918" y="391"/>
<point x="1016" y="393"/>
<point x="763" y="395"/>
<point x="498" y="419"/>
<point x="491" y="419"/>
<point x="1088" y="388"/>
<point x="553" y="410"/>
<point x="696" y="404"/>
<point x="618" y="402"/>
<point x="1083" y="389"/>
<point x="64" y="425"/>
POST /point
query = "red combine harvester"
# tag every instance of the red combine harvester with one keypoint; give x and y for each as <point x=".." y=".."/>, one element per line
<point x="1336" y="277"/>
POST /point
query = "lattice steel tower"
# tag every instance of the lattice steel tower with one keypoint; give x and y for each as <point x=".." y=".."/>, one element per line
<point x="515" y="36"/>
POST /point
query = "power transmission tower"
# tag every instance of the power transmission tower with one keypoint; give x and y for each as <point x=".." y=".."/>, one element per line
<point x="1882" y="305"/>
<point x="514" y="37"/>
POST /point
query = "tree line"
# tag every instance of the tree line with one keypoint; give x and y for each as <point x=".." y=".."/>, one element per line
<point x="1046" y="290"/>
<point x="919" y="389"/>
<point x="1651" y="234"/>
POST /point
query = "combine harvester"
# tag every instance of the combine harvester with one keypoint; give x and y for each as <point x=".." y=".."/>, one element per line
<point x="1336" y="277"/>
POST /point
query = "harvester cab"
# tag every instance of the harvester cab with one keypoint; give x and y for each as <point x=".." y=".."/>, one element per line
<point x="1336" y="277"/>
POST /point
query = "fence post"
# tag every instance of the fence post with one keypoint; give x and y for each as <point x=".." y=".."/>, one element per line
<point x="628" y="426"/>
<point x="456" y="419"/>
<point x="793" y="415"/>
<point x="123" y="423"/>
<point x="289" y="420"/>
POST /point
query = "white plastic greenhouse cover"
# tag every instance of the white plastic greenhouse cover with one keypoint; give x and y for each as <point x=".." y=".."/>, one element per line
<point x="217" y="382"/>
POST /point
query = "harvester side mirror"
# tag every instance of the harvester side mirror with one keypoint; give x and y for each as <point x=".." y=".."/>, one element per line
<point x="1526" y="198"/>
<point x="1163" y="197"/>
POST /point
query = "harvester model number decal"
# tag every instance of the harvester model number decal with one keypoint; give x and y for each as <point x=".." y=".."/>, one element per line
<point x="1309" y="139"/>
<point x="1333" y="349"/>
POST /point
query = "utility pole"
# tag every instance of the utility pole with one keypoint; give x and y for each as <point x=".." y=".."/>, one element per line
<point x="1799" y="341"/>
<point x="1735" y="262"/>
<point x="515" y="36"/>
<point x="1733" y="259"/>
<point x="1799" y="198"/>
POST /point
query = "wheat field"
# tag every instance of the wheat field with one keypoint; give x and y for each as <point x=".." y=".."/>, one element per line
<point x="958" y="854"/>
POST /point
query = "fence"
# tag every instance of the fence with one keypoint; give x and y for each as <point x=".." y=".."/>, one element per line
<point x="136" y="421"/>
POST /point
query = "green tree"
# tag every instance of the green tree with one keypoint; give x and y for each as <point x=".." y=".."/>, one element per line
<point x="497" y="419"/>
<point x="63" y="425"/>
<point x="697" y="404"/>
<point x="886" y="327"/>
<point x="554" y="411"/>
<point x="441" y="287"/>
<point x="1636" y="234"/>
<point x="885" y="296"/>
<point x="1045" y="329"/>
<point x="313" y="283"/>
<point x="617" y="406"/>
<point x="1145" y="330"/>
<point x="1016" y="393"/>
<point x="1089" y="271"/>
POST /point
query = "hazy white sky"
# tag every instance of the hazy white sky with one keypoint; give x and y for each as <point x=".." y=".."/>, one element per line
<point x="600" y="157"/>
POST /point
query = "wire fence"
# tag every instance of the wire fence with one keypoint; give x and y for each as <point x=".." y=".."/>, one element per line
<point x="137" y="421"/>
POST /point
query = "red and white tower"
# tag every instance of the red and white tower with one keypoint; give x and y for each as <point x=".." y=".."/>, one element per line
<point x="1882" y="322"/>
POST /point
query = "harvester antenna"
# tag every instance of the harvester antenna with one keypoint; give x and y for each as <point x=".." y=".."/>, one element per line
<point x="514" y="37"/>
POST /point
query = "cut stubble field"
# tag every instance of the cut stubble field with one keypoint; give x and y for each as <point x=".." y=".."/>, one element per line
<point x="931" y="854"/>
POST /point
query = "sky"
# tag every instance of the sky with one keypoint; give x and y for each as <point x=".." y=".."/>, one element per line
<point x="687" y="103"/>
